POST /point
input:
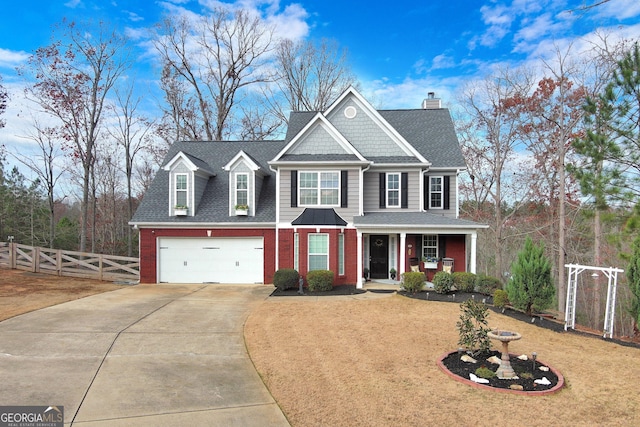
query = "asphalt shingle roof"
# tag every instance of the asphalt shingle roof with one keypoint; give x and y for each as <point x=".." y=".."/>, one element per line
<point x="214" y="205"/>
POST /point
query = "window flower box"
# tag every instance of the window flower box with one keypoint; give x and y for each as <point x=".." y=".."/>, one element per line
<point x="180" y="210"/>
<point x="242" y="210"/>
<point x="430" y="263"/>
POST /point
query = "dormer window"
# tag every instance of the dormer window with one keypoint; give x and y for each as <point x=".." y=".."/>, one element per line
<point x="181" y="189"/>
<point x="242" y="189"/>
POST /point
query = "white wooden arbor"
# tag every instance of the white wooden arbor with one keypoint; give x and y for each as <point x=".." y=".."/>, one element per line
<point x="572" y="287"/>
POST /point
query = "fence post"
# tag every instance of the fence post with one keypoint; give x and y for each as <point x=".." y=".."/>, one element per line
<point x="12" y="255"/>
<point x="59" y="262"/>
<point x="35" y="259"/>
<point x="100" y="265"/>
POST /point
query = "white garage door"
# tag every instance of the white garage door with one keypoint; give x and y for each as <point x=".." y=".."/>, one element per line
<point x="211" y="260"/>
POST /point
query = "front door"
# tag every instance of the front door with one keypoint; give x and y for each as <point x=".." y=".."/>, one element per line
<point x="379" y="257"/>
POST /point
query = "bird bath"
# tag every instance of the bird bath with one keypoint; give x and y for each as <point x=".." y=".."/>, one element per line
<point x="505" y="371"/>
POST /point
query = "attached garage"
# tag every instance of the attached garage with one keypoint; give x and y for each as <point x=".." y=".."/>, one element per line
<point x="211" y="260"/>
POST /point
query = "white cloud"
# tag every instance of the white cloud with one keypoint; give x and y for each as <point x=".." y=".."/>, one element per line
<point x="619" y="9"/>
<point x="11" y="59"/>
<point x="72" y="4"/>
<point x="442" y="61"/>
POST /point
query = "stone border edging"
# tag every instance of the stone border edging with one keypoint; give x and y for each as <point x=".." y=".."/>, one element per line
<point x="466" y="381"/>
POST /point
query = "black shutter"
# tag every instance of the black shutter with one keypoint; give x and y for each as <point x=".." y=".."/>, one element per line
<point x="294" y="189"/>
<point x="404" y="185"/>
<point x="445" y="192"/>
<point x="344" y="189"/>
<point x="442" y="246"/>
<point x="383" y="192"/>
<point x="425" y="192"/>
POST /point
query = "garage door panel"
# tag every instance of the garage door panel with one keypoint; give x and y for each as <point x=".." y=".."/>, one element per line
<point x="222" y="260"/>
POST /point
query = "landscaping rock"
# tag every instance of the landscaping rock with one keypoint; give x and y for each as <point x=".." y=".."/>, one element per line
<point x="468" y="359"/>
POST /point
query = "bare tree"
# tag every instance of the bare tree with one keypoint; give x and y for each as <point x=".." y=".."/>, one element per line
<point x="4" y="100"/>
<point x="132" y="135"/>
<point x="218" y="56"/>
<point x="74" y="76"/>
<point x="490" y="137"/>
<point x="46" y="165"/>
<point x="310" y="77"/>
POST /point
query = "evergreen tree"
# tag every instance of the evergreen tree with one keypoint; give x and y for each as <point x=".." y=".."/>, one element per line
<point x="633" y="275"/>
<point x="531" y="286"/>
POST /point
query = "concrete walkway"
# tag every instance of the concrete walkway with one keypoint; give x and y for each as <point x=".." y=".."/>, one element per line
<point x="149" y="355"/>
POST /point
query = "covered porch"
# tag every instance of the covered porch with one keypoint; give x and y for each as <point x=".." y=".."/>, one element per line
<point x="391" y="243"/>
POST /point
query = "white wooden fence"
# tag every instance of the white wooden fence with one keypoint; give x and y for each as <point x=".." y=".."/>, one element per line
<point x="69" y="263"/>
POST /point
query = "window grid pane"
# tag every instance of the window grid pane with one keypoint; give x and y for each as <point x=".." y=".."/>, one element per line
<point x="430" y="246"/>
<point x="318" y="252"/>
<point x="393" y="189"/>
<point x="319" y="188"/>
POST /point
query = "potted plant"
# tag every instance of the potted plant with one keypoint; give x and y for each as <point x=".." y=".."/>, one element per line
<point x="392" y="272"/>
<point x="242" y="209"/>
<point x="430" y="263"/>
<point x="365" y="274"/>
<point x="180" y="210"/>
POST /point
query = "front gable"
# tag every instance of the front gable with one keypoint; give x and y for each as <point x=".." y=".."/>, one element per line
<point x="245" y="181"/>
<point x="319" y="137"/>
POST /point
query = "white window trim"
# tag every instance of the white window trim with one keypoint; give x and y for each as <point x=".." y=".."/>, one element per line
<point x="441" y="192"/>
<point x="175" y="189"/>
<point x="236" y="189"/>
<point x="436" y="245"/>
<point x="296" y="251"/>
<point x="399" y="190"/>
<point x="341" y="258"/>
<point x="309" y="250"/>
<point x="319" y="188"/>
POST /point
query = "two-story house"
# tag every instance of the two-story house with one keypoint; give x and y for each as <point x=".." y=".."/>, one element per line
<point x="349" y="189"/>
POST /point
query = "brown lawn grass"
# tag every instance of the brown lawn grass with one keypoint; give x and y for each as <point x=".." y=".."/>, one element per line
<point x="336" y="362"/>
<point x="23" y="291"/>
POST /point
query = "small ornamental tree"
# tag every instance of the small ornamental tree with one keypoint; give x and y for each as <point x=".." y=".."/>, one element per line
<point x="473" y="327"/>
<point x="633" y="276"/>
<point x="531" y="286"/>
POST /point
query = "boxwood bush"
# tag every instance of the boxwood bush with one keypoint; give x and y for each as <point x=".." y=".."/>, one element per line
<point x="500" y="298"/>
<point x="464" y="281"/>
<point x="286" y="278"/>
<point x="442" y="282"/>
<point x="320" y="280"/>
<point x="413" y="281"/>
<point x="487" y="284"/>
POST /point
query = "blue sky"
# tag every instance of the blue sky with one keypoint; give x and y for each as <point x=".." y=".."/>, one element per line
<point x="400" y="50"/>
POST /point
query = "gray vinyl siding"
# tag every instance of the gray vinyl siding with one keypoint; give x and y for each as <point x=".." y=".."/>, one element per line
<point x="453" y="183"/>
<point x="318" y="141"/>
<point x="372" y="190"/>
<point x="288" y="214"/>
<point x="363" y="133"/>
<point x="200" y="183"/>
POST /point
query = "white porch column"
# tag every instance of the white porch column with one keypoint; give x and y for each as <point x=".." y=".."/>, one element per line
<point x="472" y="257"/>
<point x="359" y="283"/>
<point x="403" y="259"/>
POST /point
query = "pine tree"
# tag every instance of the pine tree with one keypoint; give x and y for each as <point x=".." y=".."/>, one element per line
<point x="531" y="286"/>
<point x="633" y="276"/>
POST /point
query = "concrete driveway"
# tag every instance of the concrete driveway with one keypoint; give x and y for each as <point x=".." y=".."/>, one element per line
<point x="149" y="355"/>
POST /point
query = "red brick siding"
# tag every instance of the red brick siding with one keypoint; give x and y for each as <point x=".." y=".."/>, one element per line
<point x="148" y="245"/>
<point x="350" y="253"/>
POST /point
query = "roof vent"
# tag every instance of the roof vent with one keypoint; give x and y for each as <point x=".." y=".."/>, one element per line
<point x="431" y="102"/>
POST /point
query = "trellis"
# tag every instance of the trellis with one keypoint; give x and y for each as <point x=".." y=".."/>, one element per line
<point x="572" y="288"/>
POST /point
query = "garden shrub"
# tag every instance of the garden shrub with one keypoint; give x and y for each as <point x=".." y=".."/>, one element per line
<point x="286" y="278"/>
<point x="500" y="298"/>
<point x="442" y="282"/>
<point x="484" y="372"/>
<point x="487" y="284"/>
<point x="413" y="281"/>
<point x="473" y="326"/>
<point x="320" y="280"/>
<point x="464" y="281"/>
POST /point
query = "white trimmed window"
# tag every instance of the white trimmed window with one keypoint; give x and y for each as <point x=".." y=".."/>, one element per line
<point x="319" y="188"/>
<point x="296" y="251"/>
<point x="341" y="254"/>
<point x="242" y="189"/>
<point x="181" y="189"/>
<point x="435" y="192"/>
<point x="430" y="246"/>
<point x="393" y="190"/>
<point x="318" y="252"/>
